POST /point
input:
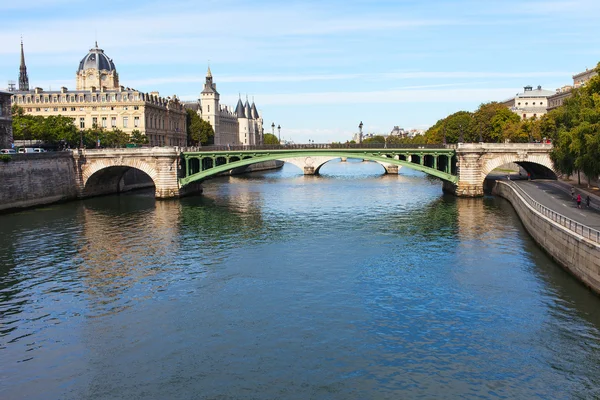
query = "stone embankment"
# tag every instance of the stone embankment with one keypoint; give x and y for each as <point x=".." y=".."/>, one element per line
<point x="30" y="180"/>
<point x="572" y="245"/>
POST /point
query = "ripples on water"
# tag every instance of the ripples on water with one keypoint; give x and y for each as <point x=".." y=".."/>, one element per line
<point x="275" y="285"/>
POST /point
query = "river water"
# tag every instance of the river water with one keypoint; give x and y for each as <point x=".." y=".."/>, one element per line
<point x="350" y="285"/>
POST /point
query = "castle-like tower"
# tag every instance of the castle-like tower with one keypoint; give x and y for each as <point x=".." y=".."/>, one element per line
<point x="242" y="126"/>
<point x="23" y="78"/>
<point x="209" y="98"/>
<point x="96" y="70"/>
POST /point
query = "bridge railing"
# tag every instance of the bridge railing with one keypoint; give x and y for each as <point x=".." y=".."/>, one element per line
<point x="572" y="225"/>
<point x="318" y="146"/>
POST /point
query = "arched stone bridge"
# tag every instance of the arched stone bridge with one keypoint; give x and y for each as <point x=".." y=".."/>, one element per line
<point x="178" y="171"/>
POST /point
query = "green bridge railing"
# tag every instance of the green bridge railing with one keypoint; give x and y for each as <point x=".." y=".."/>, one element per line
<point x="201" y="163"/>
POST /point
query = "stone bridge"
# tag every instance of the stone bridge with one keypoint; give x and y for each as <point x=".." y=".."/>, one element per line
<point x="178" y="171"/>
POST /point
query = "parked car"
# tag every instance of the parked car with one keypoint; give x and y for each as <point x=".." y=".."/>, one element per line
<point x="39" y="150"/>
<point x="26" y="150"/>
<point x="8" y="151"/>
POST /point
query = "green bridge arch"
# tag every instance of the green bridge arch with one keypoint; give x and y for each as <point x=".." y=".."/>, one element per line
<point x="200" y="165"/>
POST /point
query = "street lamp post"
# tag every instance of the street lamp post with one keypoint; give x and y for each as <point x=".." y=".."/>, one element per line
<point x="273" y="128"/>
<point x="360" y="126"/>
<point x="460" y="138"/>
<point x="279" y="133"/>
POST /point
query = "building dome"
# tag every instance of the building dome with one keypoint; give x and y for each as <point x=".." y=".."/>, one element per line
<point x="96" y="59"/>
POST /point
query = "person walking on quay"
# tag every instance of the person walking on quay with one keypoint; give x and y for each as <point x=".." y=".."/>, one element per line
<point x="587" y="201"/>
<point x="579" y="201"/>
<point x="572" y="193"/>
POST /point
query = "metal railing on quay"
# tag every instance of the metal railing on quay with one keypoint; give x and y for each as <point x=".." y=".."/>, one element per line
<point x="572" y="225"/>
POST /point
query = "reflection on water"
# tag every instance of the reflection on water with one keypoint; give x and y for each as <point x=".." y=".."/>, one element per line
<point x="351" y="284"/>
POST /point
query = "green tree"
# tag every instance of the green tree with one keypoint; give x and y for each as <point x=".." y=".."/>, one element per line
<point x="138" y="137"/>
<point x="377" y="139"/>
<point x="198" y="130"/>
<point x="269" y="138"/>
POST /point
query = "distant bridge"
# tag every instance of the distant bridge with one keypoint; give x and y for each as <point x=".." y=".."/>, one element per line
<point x="177" y="171"/>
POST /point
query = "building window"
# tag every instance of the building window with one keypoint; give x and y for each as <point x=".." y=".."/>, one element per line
<point x="55" y="109"/>
<point x="46" y="109"/>
<point x="113" y="121"/>
<point x="112" y="108"/>
<point x="81" y="123"/>
<point x="72" y="108"/>
<point x="136" y="121"/>
<point x="125" y="108"/>
<point x="95" y="122"/>
<point x="125" y="122"/>
<point x="136" y="107"/>
<point x="64" y="108"/>
<point x="94" y="108"/>
<point x="81" y="108"/>
<point x="104" y="122"/>
<point x="38" y="109"/>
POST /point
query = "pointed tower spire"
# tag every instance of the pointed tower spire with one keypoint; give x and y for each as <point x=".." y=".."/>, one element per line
<point x="208" y="73"/>
<point x="23" y="78"/>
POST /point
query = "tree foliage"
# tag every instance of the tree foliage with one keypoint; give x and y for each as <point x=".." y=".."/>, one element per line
<point x="199" y="131"/>
<point x="138" y="137"/>
<point x="269" y="138"/>
<point x="576" y="126"/>
<point x="53" y="129"/>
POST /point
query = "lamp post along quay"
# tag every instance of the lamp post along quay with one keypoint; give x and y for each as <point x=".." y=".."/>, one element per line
<point x="279" y="133"/>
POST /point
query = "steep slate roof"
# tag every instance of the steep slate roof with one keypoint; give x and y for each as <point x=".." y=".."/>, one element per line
<point x="239" y="109"/>
<point x="247" y="110"/>
<point x="253" y="110"/>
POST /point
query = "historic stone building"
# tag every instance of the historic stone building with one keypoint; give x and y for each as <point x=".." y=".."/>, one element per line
<point x="100" y="101"/>
<point x="242" y="126"/>
<point x="6" y="138"/>
<point x="532" y="103"/>
<point x="557" y="99"/>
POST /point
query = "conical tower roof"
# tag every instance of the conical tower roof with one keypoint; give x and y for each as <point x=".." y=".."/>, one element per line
<point x="254" y="111"/>
<point x="239" y="109"/>
<point x="247" y="110"/>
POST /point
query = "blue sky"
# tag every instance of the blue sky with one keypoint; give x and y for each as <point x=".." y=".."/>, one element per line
<point x="315" y="68"/>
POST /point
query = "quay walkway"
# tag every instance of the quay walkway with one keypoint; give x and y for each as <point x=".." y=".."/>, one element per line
<point x="556" y="195"/>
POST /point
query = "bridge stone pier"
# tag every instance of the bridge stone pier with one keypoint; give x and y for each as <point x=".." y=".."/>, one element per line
<point x="312" y="164"/>
<point x="475" y="161"/>
<point x="102" y="171"/>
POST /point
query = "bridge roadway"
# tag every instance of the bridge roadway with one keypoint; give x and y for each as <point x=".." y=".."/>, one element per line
<point x="556" y="195"/>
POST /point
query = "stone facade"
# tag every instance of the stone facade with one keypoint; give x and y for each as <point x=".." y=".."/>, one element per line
<point x="557" y="99"/>
<point x="100" y="101"/>
<point x="532" y="103"/>
<point x="242" y="126"/>
<point x="6" y="137"/>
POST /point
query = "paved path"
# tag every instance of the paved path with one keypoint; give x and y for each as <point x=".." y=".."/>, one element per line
<point x="556" y="195"/>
